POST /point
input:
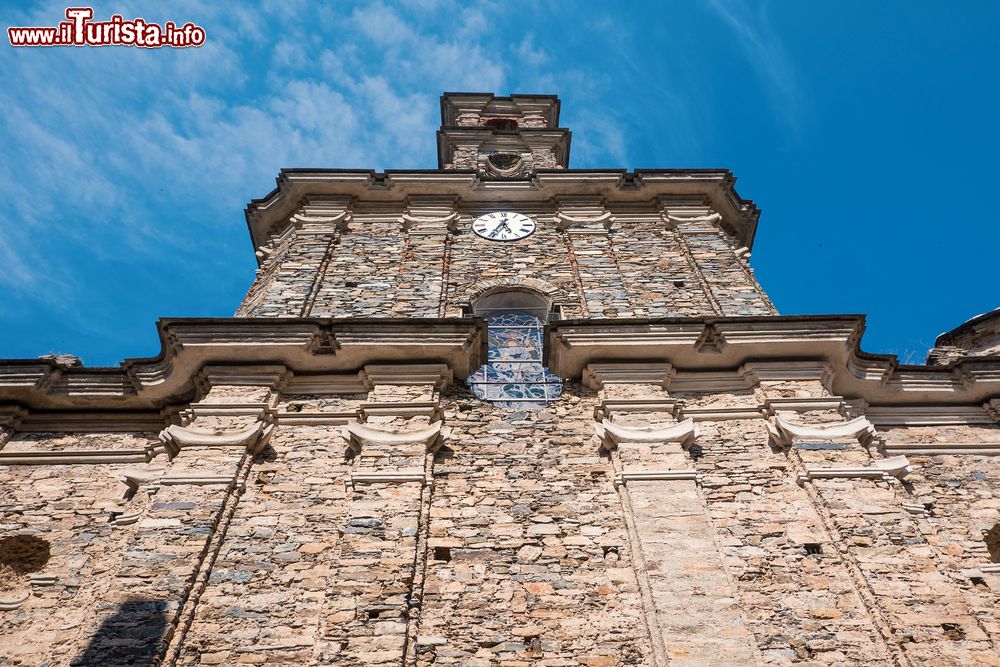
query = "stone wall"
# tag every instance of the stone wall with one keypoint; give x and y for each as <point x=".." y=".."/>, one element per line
<point x="438" y="529"/>
<point x="370" y="262"/>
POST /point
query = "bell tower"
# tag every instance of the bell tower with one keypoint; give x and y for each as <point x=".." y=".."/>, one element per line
<point x="501" y="137"/>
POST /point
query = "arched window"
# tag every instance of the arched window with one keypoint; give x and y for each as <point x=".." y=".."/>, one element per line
<point x="513" y="375"/>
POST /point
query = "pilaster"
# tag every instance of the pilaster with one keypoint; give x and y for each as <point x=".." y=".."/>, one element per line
<point x="688" y="598"/>
<point x="295" y="259"/>
<point x="722" y="269"/>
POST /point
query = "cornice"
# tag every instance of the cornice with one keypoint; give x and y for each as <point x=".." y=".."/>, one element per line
<point x="750" y="349"/>
<point x="334" y="356"/>
<point x="714" y="187"/>
<point x="265" y="351"/>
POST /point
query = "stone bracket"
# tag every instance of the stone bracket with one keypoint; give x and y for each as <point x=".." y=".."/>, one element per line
<point x="583" y="215"/>
<point x="784" y="432"/>
<point x="896" y="467"/>
<point x="177" y="437"/>
<point x="656" y="475"/>
<point x="360" y="435"/>
<point x="430" y="215"/>
<point x="611" y="435"/>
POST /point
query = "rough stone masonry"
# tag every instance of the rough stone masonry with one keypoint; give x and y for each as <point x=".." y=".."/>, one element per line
<point x="313" y="481"/>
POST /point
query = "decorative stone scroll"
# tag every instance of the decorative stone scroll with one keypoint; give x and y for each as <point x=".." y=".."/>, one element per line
<point x="675" y="217"/>
<point x="176" y="437"/>
<point x="361" y="435"/>
<point x="612" y="434"/>
<point x="784" y="433"/>
<point x="683" y="434"/>
<point x="583" y="215"/>
<point x="883" y="469"/>
<point x="336" y="212"/>
<point x="430" y="215"/>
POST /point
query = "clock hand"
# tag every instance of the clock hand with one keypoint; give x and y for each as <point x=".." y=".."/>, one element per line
<point x="496" y="230"/>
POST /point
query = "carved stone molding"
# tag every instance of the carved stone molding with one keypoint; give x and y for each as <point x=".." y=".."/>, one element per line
<point x="83" y="457"/>
<point x="253" y="438"/>
<point x="135" y="478"/>
<point x="583" y="215"/>
<point x="773" y="406"/>
<point x="656" y="476"/>
<point x="896" y="467"/>
<point x="611" y="435"/>
<point x="597" y="375"/>
<point x="429" y="409"/>
<point x="929" y="415"/>
<point x="784" y="433"/>
<point x="335" y="212"/>
<point x="608" y="407"/>
<point x="436" y="375"/>
<point x="430" y="215"/>
<point x="245" y="345"/>
<point x="360" y="436"/>
<point x="941" y="448"/>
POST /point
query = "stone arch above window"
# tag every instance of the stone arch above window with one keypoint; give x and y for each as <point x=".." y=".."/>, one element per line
<point x="513" y="375"/>
<point x="474" y="293"/>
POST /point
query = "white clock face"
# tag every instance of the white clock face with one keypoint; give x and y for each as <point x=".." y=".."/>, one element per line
<point x="503" y="226"/>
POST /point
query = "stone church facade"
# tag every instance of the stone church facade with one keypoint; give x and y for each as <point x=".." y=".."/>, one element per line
<point x="504" y="412"/>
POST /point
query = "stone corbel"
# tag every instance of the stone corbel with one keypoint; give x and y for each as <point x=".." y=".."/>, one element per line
<point x="611" y="435"/>
<point x="682" y="433"/>
<point x="414" y="224"/>
<point x="341" y="220"/>
<point x="253" y="438"/>
<point x="784" y="433"/>
<point x="673" y="218"/>
<point x="883" y="469"/>
<point x="430" y="215"/>
<point x="583" y="215"/>
<point x="336" y="212"/>
<point x="133" y="478"/>
<point x="360" y="436"/>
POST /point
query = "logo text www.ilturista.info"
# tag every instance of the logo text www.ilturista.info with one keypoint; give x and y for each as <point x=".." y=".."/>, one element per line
<point x="81" y="30"/>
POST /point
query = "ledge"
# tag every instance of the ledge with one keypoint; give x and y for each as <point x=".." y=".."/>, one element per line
<point x="387" y="350"/>
<point x="824" y="348"/>
<point x="272" y="212"/>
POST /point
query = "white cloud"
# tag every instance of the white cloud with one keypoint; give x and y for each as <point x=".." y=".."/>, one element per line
<point x="765" y="54"/>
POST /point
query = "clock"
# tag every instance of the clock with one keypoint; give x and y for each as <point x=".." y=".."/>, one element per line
<point x="503" y="226"/>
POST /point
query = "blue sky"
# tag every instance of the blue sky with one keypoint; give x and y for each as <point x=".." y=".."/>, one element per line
<point x="865" y="131"/>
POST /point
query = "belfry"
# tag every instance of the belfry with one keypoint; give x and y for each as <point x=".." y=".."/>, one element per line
<point x="504" y="412"/>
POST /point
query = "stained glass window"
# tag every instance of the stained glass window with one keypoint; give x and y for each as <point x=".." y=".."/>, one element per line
<point x="513" y="375"/>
